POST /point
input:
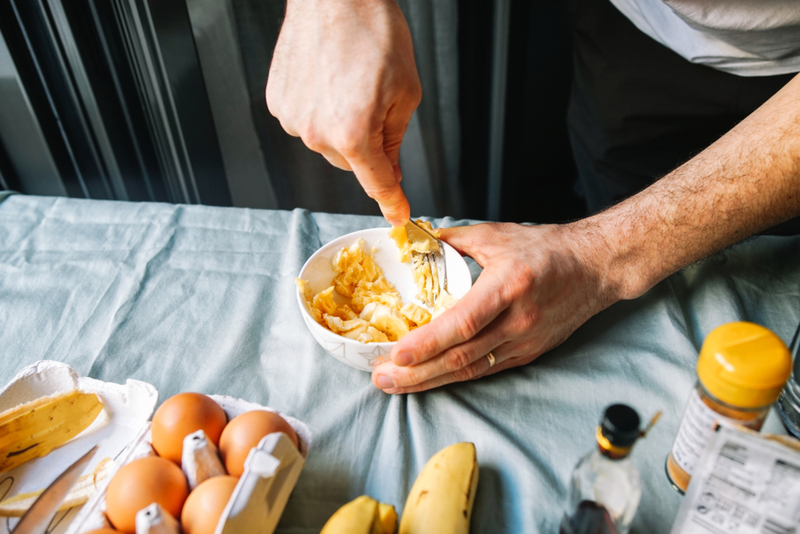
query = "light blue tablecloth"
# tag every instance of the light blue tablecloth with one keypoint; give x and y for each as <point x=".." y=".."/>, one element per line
<point x="203" y="299"/>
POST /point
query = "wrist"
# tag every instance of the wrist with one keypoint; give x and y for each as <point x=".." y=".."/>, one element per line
<point x="615" y="262"/>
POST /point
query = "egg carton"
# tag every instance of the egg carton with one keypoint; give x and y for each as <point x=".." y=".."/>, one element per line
<point x="123" y="433"/>
<point x="126" y="409"/>
<point x="271" y="472"/>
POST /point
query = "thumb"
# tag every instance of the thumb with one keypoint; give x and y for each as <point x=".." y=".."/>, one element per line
<point x="381" y="181"/>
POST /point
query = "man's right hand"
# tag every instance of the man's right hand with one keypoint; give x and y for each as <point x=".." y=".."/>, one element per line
<point x="343" y="78"/>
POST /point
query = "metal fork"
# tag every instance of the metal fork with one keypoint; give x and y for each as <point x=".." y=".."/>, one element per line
<point x="435" y="259"/>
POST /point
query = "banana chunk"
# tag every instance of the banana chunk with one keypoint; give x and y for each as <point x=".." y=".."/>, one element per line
<point x="360" y="303"/>
<point x="410" y="238"/>
<point x="388" y="320"/>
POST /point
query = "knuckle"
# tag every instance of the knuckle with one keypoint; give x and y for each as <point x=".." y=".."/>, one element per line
<point x="467" y="326"/>
<point x="409" y="378"/>
<point x="272" y="106"/>
<point x="383" y="194"/>
<point x="524" y="321"/>
<point x="415" y="93"/>
<point x="520" y="323"/>
<point x="484" y="235"/>
<point x="312" y="143"/>
<point x="426" y="347"/>
<point x="348" y="148"/>
<point x="530" y="317"/>
<point x="520" y="280"/>
<point x="348" y="140"/>
<point x="272" y="97"/>
<point x="455" y="360"/>
<point x="311" y="138"/>
<point x="278" y="107"/>
<point x="466" y="373"/>
<point x="287" y="127"/>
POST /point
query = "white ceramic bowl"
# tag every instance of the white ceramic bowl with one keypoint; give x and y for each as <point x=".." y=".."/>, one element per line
<point x="319" y="274"/>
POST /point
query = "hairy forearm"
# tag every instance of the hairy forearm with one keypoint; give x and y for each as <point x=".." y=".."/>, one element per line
<point x="747" y="181"/>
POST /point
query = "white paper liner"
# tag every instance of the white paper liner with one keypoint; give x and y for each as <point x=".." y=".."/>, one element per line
<point x="126" y="408"/>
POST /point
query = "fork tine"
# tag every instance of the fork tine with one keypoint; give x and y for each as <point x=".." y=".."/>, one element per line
<point x="441" y="267"/>
<point x="434" y="276"/>
<point x="436" y="263"/>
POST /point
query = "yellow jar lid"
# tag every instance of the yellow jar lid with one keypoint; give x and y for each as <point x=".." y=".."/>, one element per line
<point x="744" y="364"/>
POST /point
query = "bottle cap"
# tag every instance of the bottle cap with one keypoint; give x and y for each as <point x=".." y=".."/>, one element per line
<point x="744" y="364"/>
<point x="620" y="425"/>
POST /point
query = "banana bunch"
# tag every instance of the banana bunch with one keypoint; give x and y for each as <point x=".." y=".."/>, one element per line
<point x="363" y="515"/>
<point x="33" y="429"/>
<point x="440" y="501"/>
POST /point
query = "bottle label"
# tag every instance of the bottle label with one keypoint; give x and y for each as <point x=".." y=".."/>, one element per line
<point x="744" y="484"/>
<point x="695" y="431"/>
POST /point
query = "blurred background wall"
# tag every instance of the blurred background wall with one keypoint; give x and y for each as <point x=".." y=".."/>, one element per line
<point x="164" y="100"/>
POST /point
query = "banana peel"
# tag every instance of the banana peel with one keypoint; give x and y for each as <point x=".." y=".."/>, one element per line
<point x="33" y="429"/>
<point x="441" y="499"/>
<point x="363" y="515"/>
<point x="78" y="494"/>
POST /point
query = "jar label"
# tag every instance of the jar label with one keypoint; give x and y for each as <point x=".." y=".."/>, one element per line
<point x="696" y="429"/>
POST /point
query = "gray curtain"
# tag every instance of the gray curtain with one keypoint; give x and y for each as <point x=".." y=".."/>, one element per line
<point x="266" y="168"/>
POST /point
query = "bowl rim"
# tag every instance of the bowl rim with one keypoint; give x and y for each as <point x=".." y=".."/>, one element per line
<point x="301" y="301"/>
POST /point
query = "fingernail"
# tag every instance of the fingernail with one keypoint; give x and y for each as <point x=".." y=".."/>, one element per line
<point x="384" y="382"/>
<point x="403" y="359"/>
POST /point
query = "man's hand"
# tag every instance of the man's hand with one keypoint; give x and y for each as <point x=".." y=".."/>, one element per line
<point x="343" y="78"/>
<point x="539" y="283"/>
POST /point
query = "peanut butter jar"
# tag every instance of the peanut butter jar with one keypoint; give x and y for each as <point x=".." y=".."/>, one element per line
<point x="741" y="371"/>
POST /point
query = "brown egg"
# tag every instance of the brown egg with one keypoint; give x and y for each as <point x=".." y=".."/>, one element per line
<point x="141" y="483"/>
<point x="244" y="432"/>
<point x="205" y="504"/>
<point x="181" y="415"/>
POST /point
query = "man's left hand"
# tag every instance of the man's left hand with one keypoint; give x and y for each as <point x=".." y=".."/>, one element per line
<point x="538" y="284"/>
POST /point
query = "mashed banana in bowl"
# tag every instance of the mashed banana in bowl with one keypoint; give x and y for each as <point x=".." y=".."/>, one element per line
<point x="361" y="304"/>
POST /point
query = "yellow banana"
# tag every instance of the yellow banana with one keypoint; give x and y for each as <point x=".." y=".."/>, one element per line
<point x="34" y="429"/>
<point x="440" y="501"/>
<point x="363" y="515"/>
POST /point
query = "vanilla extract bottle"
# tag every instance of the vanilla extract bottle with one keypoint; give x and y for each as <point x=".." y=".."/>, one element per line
<point x="605" y="488"/>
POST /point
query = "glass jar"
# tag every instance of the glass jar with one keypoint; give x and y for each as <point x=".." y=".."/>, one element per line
<point x="741" y="370"/>
<point x="788" y="404"/>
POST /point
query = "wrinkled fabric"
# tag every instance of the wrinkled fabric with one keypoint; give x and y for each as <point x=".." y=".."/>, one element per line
<point x="196" y="298"/>
<point x="742" y="37"/>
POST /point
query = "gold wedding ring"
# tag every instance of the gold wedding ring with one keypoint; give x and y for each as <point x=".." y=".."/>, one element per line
<point x="491" y="359"/>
